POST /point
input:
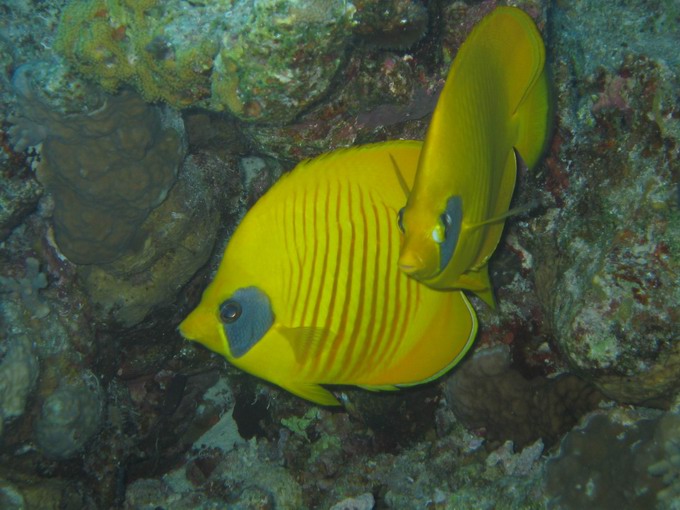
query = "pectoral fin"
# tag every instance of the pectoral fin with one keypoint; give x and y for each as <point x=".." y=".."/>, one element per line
<point x="305" y="341"/>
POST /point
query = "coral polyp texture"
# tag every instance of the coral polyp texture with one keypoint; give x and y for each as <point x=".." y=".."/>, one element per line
<point x="617" y="460"/>
<point x="69" y="417"/>
<point x="106" y="169"/>
<point x="258" y="59"/>
<point x="127" y="207"/>
<point x="28" y="287"/>
<point x="486" y="392"/>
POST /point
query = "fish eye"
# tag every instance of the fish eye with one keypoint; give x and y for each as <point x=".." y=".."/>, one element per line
<point x="446" y="222"/>
<point x="439" y="234"/>
<point x="400" y="220"/>
<point x="441" y="231"/>
<point x="230" y="311"/>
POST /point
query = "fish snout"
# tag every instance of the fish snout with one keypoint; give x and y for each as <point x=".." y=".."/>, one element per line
<point x="190" y="327"/>
<point x="411" y="263"/>
<point x="416" y="261"/>
<point x="200" y="327"/>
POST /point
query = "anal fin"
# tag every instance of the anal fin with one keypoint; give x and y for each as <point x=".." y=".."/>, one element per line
<point x="312" y="392"/>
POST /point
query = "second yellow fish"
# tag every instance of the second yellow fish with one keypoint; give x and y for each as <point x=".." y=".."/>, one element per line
<point x="493" y="113"/>
<point x="309" y="292"/>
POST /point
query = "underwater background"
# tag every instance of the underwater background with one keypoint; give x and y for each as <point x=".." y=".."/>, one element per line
<point x="135" y="135"/>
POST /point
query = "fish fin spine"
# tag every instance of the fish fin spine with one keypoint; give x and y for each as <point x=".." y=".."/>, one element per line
<point x="400" y="177"/>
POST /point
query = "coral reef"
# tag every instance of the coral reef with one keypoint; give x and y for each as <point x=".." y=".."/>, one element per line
<point x="148" y="44"/>
<point x="27" y="288"/>
<point x="617" y="460"/>
<point x="363" y="502"/>
<point x="391" y="24"/>
<point x="105" y="170"/>
<point x="222" y="464"/>
<point x="19" y="371"/>
<point x="485" y="392"/>
<point x="378" y="95"/>
<point x="279" y="57"/>
<point x="44" y="493"/>
<point x="259" y="59"/>
<point x="611" y="235"/>
<point x="69" y="417"/>
<point x="19" y="197"/>
<point x="179" y="236"/>
<point x="103" y="406"/>
<point x="257" y="176"/>
<point x="440" y="473"/>
<point x="382" y="92"/>
<point x="111" y="165"/>
<point x="667" y="468"/>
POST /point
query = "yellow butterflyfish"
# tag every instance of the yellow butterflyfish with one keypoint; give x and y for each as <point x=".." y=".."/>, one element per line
<point x="309" y="292"/>
<point x="492" y="116"/>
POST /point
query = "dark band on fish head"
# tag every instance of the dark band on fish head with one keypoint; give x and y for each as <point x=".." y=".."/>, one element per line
<point x="451" y="219"/>
<point x="246" y="317"/>
<point x="400" y="220"/>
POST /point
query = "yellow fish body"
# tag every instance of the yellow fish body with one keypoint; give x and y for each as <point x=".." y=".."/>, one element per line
<point x="492" y="113"/>
<point x="309" y="292"/>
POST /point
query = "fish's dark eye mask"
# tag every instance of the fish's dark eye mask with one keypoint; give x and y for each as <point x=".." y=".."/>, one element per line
<point x="451" y="219"/>
<point x="246" y="318"/>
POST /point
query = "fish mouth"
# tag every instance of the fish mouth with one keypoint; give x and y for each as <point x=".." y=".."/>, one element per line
<point x="417" y="273"/>
<point x="193" y="327"/>
<point x="202" y="326"/>
<point x="415" y="267"/>
<point x="182" y="330"/>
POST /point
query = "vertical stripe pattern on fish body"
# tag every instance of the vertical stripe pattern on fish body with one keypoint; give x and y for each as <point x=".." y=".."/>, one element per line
<point x="323" y="245"/>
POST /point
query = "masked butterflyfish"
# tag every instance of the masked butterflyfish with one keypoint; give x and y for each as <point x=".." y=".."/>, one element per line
<point x="309" y="291"/>
<point x="491" y="117"/>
